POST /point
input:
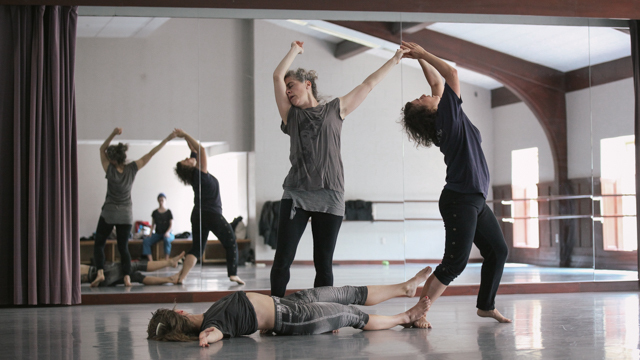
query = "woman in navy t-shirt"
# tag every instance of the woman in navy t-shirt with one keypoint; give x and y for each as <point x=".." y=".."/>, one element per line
<point x="438" y="119"/>
<point x="207" y="210"/>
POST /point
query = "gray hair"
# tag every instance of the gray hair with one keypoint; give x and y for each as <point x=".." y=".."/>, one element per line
<point x="303" y="75"/>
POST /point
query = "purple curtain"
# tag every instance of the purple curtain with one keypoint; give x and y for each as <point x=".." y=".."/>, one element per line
<point x="39" y="250"/>
<point x="634" y="29"/>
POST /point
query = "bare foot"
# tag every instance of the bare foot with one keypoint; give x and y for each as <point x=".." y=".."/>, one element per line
<point x="421" y="323"/>
<point x="173" y="262"/>
<point x="235" y="278"/>
<point x="411" y="285"/>
<point x="174" y="278"/>
<point x="127" y="281"/>
<point x="493" y="314"/>
<point x="99" y="279"/>
<point x="418" y="312"/>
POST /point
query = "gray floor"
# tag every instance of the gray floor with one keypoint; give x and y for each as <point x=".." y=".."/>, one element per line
<point x="551" y="326"/>
<point x="214" y="277"/>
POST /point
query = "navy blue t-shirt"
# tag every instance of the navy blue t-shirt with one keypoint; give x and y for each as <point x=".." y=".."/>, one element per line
<point x="210" y="192"/>
<point x="459" y="140"/>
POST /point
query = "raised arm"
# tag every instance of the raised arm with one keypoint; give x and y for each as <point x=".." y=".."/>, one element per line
<point x="433" y="78"/>
<point x="279" y="86"/>
<point x="447" y="71"/>
<point x="353" y="99"/>
<point x="145" y="159"/>
<point x="103" y="148"/>
<point x="209" y="336"/>
<point x="195" y="147"/>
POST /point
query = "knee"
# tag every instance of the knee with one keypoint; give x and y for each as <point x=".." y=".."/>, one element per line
<point x="502" y="252"/>
<point x="446" y="274"/>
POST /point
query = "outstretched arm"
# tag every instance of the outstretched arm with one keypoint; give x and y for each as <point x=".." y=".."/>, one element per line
<point x="447" y="71"/>
<point x="279" y="86"/>
<point x="433" y="78"/>
<point x="209" y="336"/>
<point x="103" y="148"/>
<point x="353" y="99"/>
<point x="145" y="159"/>
<point x="195" y="147"/>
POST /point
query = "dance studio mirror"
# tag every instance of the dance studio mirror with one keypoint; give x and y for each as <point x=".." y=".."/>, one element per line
<point x="212" y="78"/>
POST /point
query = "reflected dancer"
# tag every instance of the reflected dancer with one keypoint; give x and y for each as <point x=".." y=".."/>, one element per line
<point x="114" y="273"/>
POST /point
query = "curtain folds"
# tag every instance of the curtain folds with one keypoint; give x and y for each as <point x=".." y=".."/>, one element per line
<point x="39" y="187"/>
<point x="634" y="30"/>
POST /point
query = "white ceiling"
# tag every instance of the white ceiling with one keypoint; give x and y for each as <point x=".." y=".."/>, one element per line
<point x="563" y="48"/>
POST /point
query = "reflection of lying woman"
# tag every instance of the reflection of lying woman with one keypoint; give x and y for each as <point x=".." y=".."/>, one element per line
<point x="207" y="210"/>
<point x="312" y="311"/>
<point x="114" y="274"/>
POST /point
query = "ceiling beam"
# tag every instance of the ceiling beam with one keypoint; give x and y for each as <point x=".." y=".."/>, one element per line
<point x="347" y="49"/>
<point x="408" y="27"/>
<point x="607" y="9"/>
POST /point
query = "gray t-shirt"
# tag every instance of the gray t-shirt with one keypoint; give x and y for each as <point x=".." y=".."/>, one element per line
<point x="315" y="148"/>
<point x="117" y="208"/>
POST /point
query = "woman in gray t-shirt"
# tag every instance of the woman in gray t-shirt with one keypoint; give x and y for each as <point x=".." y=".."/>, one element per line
<point x="314" y="187"/>
<point x="117" y="208"/>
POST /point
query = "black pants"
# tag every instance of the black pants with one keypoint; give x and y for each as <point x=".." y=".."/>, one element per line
<point x="325" y="228"/>
<point x="468" y="220"/>
<point x="122" y="232"/>
<point x="217" y="224"/>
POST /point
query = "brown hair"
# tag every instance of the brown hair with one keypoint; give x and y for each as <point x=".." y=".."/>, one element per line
<point x="303" y="75"/>
<point x="117" y="153"/>
<point x="168" y="325"/>
<point x="420" y="124"/>
<point x="184" y="172"/>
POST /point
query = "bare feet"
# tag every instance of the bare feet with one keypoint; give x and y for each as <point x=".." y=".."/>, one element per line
<point x="417" y="312"/>
<point x="235" y="278"/>
<point x="174" y="278"/>
<point x="173" y="262"/>
<point x="127" y="281"/>
<point x="493" y="314"/>
<point x="422" y="323"/>
<point x="99" y="278"/>
<point x="411" y="285"/>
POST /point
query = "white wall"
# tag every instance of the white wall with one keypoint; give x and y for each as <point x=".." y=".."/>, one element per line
<point x="612" y="111"/>
<point x="515" y="128"/>
<point x="189" y="73"/>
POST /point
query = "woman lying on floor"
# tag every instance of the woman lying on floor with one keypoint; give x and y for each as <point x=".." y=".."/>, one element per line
<point x="312" y="311"/>
<point x="114" y="274"/>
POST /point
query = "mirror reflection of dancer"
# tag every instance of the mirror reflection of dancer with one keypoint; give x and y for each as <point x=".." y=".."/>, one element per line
<point x="114" y="275"/>
<point x="117" y="208"/>
<point x="314" y="187"/>
<point x="162" y="221"/>
<point x="208" y="207"/>
<point x="312" y="311"/>
<point x="438" y="119"/>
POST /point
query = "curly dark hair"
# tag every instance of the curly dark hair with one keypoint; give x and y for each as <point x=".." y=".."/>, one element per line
<point x="117" y="153"/>
<point x="184" y="172"/>
<point x="168" y="325"/>
<point x="420" y="124"/>
<point x="303" y="75"/>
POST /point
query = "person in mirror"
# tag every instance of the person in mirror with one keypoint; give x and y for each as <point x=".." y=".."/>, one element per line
<point x="162" y="222"/>
<point x="438" y="119"/>
<point x="314" y="187"/>
<point x="114" y="274"/>
<point x="117" y="208"/>
<point x="207" y="210"/>
<point x="312" y="311"/>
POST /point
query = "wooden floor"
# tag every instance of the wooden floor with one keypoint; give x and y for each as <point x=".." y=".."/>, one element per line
<point x="545" y="326"/>
<point x="210" y="282"/>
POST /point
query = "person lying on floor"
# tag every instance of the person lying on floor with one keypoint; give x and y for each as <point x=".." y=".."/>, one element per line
<point x="114" y="275"/>
<point x="306" y="312"/>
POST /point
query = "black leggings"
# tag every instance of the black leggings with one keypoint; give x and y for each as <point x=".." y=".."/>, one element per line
<point x="217" y="224"/>
<point x="102" y="232"/>
<point x="325" y="228"/>
<point x="468" y="220"/>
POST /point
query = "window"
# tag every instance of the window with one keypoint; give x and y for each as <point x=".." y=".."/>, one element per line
<point x="524" y="190"/>
<point x="618" y="188"/>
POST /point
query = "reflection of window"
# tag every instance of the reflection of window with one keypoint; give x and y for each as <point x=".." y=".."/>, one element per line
<point x="524" y="190"/>
<point x="618" y="186"/>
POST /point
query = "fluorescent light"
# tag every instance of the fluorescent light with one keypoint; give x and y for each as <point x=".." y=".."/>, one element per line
<point x="298" y="22"/>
